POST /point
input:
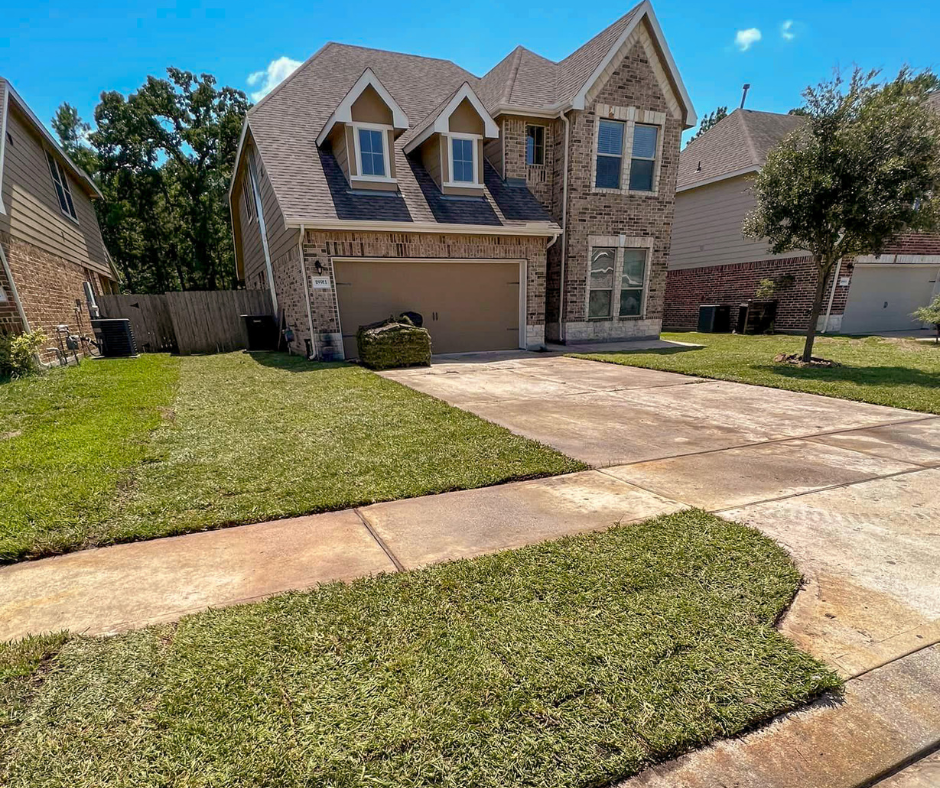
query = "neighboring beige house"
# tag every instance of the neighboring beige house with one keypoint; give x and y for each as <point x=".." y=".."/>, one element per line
<point x="713" y="263"/>
<point x="50" y="242"/>
<point x="532" y="204"/>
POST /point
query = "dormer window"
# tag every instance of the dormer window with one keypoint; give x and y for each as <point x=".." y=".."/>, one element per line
<point x="450" y="143"/>
<point x="371" y="151"/>
<point x="462" y="158"/>
<point x="361" y="133"/>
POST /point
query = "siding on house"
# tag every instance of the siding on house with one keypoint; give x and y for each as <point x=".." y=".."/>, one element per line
<point x="281" y="241"/>
<point x="32" y="208"/>
<point x="708" y="223"/>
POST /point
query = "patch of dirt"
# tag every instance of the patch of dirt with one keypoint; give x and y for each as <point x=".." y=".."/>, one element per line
<point x="5" y="436"/>
<point x="168" y="414"/>
<point x="796" y="360"/>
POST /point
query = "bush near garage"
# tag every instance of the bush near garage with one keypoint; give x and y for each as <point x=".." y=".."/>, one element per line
<point x="396" y="342"/>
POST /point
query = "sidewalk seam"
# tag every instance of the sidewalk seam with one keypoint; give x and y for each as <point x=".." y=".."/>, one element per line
<point x="399" y="566"/>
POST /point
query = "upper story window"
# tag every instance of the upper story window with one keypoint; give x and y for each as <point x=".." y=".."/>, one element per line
<point x="609" y="154"/>
<point x="371" y="152"/>
<point x="61" y="182"/>
<point x="643" y="161"/>
<point x="535" y="145"/>
<point x="462" y="149"/>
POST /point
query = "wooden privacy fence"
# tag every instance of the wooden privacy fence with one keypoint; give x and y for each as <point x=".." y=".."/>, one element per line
<point x="193" y="321"/>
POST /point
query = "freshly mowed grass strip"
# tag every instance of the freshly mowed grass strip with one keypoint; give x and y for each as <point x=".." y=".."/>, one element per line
<point x="574" y="663"/>
<point x="900" y="373"/>
<point x="258" y="437"/>
<point x="124" y="450"/>
<point x="67" y="440"/>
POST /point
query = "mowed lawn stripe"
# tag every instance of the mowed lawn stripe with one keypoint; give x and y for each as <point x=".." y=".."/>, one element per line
<point x="900" y="373"/>
<point x="575" y="662"/>
<point x="234" y="438"/>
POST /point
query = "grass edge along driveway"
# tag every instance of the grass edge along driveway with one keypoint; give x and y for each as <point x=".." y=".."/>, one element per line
<point x="898" y="373"/>
<point x="574" y="662"/>
<point x="233" y="438"/>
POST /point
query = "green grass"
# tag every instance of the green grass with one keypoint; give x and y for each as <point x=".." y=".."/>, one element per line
<point x="67" y="441"/>
<point x="125" y="450"/>
<point x="900" y="373"/>
<point x="573" y="663"/>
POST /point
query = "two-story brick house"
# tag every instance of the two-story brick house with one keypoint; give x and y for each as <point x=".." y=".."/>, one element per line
<point x="50" y="241"/>
<point x="532" y="204"/>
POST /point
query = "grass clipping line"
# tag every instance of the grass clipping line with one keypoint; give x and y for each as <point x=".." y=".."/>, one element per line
<point x="575" y="662"/>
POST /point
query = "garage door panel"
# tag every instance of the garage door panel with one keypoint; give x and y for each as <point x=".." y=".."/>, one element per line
<point x="882" y="298"/>
<point x="466" y="306"/>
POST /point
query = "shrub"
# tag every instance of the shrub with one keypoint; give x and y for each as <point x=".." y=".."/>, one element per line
<point x="930" y="314"/>
<point x="18" y="353"/>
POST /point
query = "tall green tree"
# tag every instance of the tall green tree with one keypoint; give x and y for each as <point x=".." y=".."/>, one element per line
<point x="163" y="158"/>
<point x="864" y="167"/>
<point x="709" y="120"/>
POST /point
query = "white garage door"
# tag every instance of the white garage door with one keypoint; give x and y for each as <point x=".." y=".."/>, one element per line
<point x="882" y="297"/>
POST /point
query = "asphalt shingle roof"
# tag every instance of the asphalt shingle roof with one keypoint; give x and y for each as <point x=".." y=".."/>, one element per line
<point x="309" y="183"/>
<point x="740" y="141"/>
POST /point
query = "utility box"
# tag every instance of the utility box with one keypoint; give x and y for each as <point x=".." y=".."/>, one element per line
<point x="714" y="319"/>
<point x="114" y="337"/>
<point x="260" y="332"/>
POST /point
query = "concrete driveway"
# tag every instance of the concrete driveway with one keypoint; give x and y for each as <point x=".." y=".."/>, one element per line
<point x="850" y="489"/>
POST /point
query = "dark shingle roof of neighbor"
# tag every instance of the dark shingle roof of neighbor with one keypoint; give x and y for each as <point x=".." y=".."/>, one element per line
<point x="308" y="182"/>
<point x="740" y="141"/>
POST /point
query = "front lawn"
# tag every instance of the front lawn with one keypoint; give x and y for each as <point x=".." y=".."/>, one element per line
<point x="574" y="663"/>
<point x="119" y="450"/>
<point x="901" y="373"/>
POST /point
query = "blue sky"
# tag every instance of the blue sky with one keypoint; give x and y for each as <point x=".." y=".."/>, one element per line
<point x="55" y="52"/>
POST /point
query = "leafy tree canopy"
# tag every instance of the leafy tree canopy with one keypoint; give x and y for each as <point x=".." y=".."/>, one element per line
<point x="163" y="158"/>
<point x="708" y="121"/>
<point x="864" y="167"/>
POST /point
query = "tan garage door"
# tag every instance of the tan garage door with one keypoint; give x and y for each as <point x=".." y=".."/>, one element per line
<point x="466" y="306"/>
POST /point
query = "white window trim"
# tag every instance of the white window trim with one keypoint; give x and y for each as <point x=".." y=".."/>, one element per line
<point x="619" y="243"/>
<point x="544" y="143"/>
<point x="249" y="198"/>
<point x="385" y="152"/>
<point x="450" y="160"/>
<point x="64" y="181"/>
<point x="655" y="159"/>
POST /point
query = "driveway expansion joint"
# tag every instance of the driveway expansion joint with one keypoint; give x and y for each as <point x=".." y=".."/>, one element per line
<point x="399" y="566"/>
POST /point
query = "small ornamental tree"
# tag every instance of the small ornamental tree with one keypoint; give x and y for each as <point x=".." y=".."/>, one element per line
<point x="930" y="314"/>
<point x="864" y="167"/>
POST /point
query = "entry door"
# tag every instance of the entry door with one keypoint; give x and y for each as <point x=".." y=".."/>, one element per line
<point x="466" y="306"/>
<point x="882" y="297"/>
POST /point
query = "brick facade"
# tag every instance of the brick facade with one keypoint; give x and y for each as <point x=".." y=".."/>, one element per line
<point x="51" y="292"/>
<point x="322" y="247"/>
<point x="632" y="92"/>
<point x="735" y="283"/>
<point x="688" y="288"/>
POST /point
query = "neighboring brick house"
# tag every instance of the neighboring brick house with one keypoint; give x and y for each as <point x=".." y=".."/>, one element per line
<point x="532" y="204"/>
<point x="713" y="263"/>
<point x="50" y="242"/>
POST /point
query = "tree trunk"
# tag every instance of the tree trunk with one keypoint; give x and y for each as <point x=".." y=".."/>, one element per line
<point x="821" y="279"/>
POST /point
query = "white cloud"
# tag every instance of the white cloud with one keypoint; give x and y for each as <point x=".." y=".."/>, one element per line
<point x="272" y="76"/>
<point x="786" y="30"/>
<point x="745" y="39"/>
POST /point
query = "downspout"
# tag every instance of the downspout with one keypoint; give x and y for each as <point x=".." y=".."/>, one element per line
<point x="303" y="273"/>
<point x="564" y="227"/>
<point x="832" y="295"/>
<point x="13" y="291"/>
